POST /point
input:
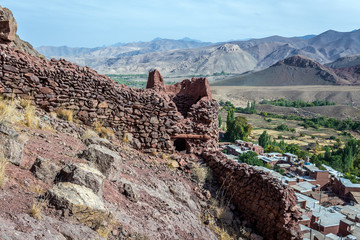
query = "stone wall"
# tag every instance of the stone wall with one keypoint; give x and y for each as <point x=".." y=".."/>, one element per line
<point x="264" y="201"/>
<point x="149" y="117"/>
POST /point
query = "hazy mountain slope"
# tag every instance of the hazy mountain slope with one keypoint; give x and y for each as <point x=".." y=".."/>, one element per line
<point x="296" y="70"/>
<point x="227" y="58"/>
<point x="348" y="61"/>
<point x="64" y="51"/>
<point x="183" y="57"/>
<point x="117" y="50"/>
<point x="334" y="45"/>
<point x="351" y="74"/>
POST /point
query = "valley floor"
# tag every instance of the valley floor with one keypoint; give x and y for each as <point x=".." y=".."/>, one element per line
<point x="347" y="99"/>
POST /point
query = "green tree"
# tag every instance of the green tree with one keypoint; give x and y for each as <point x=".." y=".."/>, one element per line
<point x="230" y="117"/>
<point x="220" y="120"/>
<point x="238" y="129"/>
<point x="264" y="139"/>
<point x="250" y="158"/>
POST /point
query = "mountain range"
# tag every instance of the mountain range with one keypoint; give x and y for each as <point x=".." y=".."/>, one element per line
<point x="187" y="57"/>
<point x="298" y="70"/>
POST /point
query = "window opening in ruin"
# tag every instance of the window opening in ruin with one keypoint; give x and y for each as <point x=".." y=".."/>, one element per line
<point x="180" y="144"/>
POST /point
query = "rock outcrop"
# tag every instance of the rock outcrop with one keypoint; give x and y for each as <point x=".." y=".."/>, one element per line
<point x="83" y="175"/>
<point x="80" y="202"/>
<point x="264" y="201"/>
<point x="10" y="145"/>
<point x="44" y="169"/>
<point x="8" y="28"/>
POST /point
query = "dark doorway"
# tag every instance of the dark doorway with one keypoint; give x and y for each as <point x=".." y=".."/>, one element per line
<point x="180" y="144"/>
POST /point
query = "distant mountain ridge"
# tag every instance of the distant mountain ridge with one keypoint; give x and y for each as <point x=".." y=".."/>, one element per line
<point x="186" y="57"/>
<point x="132" y="48"/>
<point x="297" y="70"/>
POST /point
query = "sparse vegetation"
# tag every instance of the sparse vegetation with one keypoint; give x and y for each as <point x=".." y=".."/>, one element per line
<point x="297" y="103"/>
<point x="164" y="156"/>
<point x="200" y="173"/>
<point x="3" y="163"/>
<point x="89" y="133"/>
<point x="126" y="138"/>
<point x="9" y="111"/>
<point x="131" y="80"/>
<point x="282" y="127"/>
<point x="30" y="118"/>
<point x="103" y="131"/>
<point x="250" y="109"/>
<point x="65" y="114"/>
<point x="35" y="210"/>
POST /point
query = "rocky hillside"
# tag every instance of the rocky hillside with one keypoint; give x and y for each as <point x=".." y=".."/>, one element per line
<point x="205" y="60"/>
<point x="86" y="158"/>
<point x="64" y="182"/>
<point x="342" y="62"/>
<point x="238" y="57"/>
<point x="296" y="70"/>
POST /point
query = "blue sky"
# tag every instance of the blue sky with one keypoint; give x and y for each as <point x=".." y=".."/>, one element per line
<point x="91" y="23"/>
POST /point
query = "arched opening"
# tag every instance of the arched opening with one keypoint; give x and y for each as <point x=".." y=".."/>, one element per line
<point x="180" y="144"/>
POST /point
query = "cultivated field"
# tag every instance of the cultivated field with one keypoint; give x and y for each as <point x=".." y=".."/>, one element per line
<point x="347" y="99"/>
<point x="311" y="139"/>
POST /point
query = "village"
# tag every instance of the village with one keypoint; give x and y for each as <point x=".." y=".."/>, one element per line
<point x="329" y="203"/>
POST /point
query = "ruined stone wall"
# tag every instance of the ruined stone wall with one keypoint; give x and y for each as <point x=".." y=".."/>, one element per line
<point x="149" y="117"/>
<point x="264" y="201"/>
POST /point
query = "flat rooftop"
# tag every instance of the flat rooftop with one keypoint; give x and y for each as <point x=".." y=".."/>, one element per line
<point x="327" y="216"/>
<point x="310" y="202"/>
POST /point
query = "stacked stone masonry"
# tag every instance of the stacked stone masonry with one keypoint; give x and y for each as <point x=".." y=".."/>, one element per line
<point x="153" y="119"/>
<point x="149" y="117"/>
<point x="264" y="201"/>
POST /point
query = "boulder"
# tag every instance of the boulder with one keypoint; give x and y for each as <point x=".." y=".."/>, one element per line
<point x="99" y="141"/>
<point x="80" y="202"/>
<point x="129" y="192"/>
<point x="44" y="169"/>
<point x="10" y="145"/>
<point x="84" y="175"/>
<point x="105" y="160"/>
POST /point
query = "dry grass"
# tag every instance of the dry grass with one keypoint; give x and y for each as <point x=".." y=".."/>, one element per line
<point x="3" y="163"/>
<point x="9" y="111"/>
<point x="65" y="114"/>
<point x="25" y="102"/>
<point x="103" y="232"/>
<point x="89" y="133"/>
<point x="201" y="173"/>
<point x="35" y="210"/>
<point x="107" y="133"/>
<point x="164" y="156"/>
<point x="103" y="131"/>
<point x="30" y="118"/>
<point x="38" y="190"/>
<point x="126" y="138"/>
<point x="19" y="111"/>
<point x="220" y="231"/>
